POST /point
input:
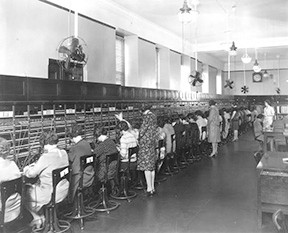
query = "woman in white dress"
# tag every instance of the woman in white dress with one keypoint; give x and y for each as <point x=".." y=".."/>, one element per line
<point x="9" y="171"/>
<point x="39" y="194"/>
<point x="269" y="113"/>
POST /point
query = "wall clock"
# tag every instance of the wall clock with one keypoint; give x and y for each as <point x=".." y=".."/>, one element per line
<point x="257" y="77"/>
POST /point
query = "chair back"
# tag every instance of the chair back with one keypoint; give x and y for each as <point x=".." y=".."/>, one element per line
<point x="278" y="219"/>
<point x="161" y="143"/>
<point x="85" y="161"/>
<point x="9" y="188"/>
<point x="109" y="159"/>
<point x="132" y="151"/>
<point x="58" y="175"/>
<point x="172" y="142"/>
<point x="204" y="132"/>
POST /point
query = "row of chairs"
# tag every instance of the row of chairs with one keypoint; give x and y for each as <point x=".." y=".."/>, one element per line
<point x="80" y="211"/>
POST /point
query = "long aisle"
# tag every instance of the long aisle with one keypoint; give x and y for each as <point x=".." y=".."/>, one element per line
<point x="213" y="195"/>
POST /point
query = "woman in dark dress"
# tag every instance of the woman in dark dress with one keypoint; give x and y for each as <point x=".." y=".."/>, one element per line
<point x="104" y="146"/>
<point x="148" y="136"/>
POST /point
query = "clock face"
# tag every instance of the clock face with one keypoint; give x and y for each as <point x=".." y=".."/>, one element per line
<point x="257" y="77"/>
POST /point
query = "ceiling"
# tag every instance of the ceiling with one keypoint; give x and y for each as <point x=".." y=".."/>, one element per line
<point x="259" y="23"/>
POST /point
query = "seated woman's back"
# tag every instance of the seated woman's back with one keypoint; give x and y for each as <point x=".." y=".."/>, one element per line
<point x="104" y="147"/>
<point x="80" y="148"/>
<point x="53" y="158"/>
<point x="127" y="140"/>
<point x="10" y="171"/>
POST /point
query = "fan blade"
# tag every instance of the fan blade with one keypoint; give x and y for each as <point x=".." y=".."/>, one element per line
<point x="194" y="82"/>
<point x="75" y="44"/>
<point x="200" y="80"/>
<point x="63" y="49"/>
<point x="66" y="63"/>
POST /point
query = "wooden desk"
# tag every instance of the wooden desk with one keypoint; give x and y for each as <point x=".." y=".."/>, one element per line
<point x="272" y="184"/>
<point x="271" y="134"/>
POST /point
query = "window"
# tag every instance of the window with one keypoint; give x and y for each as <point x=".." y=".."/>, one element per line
<point x="120" y="61"/>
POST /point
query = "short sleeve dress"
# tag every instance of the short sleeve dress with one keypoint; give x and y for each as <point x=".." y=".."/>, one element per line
<point x="148" y="137"/>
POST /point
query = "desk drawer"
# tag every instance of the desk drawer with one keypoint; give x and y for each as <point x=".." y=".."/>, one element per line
<point x="274" y="187"/>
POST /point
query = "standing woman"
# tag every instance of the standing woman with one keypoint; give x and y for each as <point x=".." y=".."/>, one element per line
<point x="235" y="122"/>
<point x="148" y="136"/>
<point x="269" y="113"/>
<point x="213" y="127"/>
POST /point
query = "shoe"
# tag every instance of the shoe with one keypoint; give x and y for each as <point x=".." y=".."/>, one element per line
<point x="37" y="223"/>
<point x="154" y="192"/>
<point x="211" y="155"/>
<point x="149" y="194"/>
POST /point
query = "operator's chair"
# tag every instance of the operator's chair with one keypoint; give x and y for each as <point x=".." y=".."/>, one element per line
<point x="158" y="176"/>
<point x="9" y="188"/>
<point x="105" y="204"/>
<point x="52" y="223"/>
<point x="80" y="211"/>
<point x="278" y="219"/>
<point x="124" y="192"/>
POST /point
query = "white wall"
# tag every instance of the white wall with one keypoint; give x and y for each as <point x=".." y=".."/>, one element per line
<point x="164" y="68"/>
<point x="266" y="87"/>
<point x="131" y="61"/>
<point x="185" y="72"/>
<point x="147" y="64"/>
<point x="28" y="42"/>
<point x="101" y="44"/>
<point x="175" y="71"/>
<point x="212" y="73"/>
<point x="108" y="12"/>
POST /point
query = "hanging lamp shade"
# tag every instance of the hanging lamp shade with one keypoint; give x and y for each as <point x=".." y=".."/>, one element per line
<point x="256" y="66"/>
<point x="246" y="58"/>
<point x="265" y="74"/>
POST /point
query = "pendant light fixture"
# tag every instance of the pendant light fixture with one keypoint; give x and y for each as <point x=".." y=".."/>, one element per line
<point x="188" y="14"/>
<point x="246" y="59"/>
<point x="256" y="66"/>
<point x="233" y="49"/>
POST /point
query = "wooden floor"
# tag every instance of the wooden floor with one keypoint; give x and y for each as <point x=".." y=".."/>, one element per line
<point x="213" y="195"/>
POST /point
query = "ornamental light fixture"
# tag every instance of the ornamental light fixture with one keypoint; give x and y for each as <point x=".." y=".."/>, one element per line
<point x="188" y="14"/>
<point x="246" y="59"/>
<point x="266" y="74"/>
<point x="233" y="49"/>
<point x="256" y="66"/>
